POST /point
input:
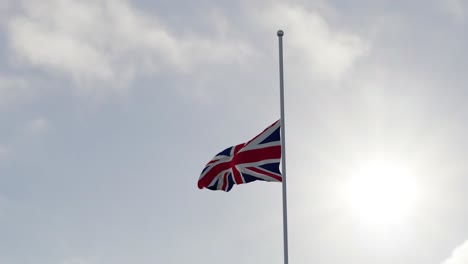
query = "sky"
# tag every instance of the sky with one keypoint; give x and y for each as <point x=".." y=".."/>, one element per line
<point x="109" y="110"/>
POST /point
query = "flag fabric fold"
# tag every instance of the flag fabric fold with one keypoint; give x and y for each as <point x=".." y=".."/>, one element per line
<point x="257" y="159"/>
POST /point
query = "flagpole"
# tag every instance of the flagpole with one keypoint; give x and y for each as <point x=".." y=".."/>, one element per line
<point x="283" y="148"/>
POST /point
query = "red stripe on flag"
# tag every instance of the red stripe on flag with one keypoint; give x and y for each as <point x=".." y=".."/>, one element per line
<point x="256" y="155"/>
<point x="225" y="181"/>
<point x="274" y="176"/>
<point x="212" y="173"/>
<point x="237" y="175"/>
<point x="235" y="172"/>
<point x="212" y="161"/>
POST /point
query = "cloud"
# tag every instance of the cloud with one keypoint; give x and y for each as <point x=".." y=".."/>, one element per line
<point x="325" y="51"/>
<point x="103" y="45"/>
<point x="459" y="255"/>
<point x="109" y="41"/>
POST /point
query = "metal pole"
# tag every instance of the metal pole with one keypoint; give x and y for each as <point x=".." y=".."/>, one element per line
<point x="283" y="148"/>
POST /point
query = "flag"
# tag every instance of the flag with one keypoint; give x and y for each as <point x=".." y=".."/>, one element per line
<point x="257" y="159"/>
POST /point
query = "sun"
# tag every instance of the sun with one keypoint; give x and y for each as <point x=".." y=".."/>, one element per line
<point x="382" y="193"/>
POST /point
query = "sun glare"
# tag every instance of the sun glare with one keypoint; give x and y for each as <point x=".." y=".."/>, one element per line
<point x="382" y="193"/>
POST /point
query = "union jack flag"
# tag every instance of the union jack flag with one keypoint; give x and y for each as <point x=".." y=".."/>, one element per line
<point x="257" y="159"/>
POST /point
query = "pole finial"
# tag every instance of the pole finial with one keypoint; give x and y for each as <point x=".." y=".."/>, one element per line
<point x="280" y="33"/>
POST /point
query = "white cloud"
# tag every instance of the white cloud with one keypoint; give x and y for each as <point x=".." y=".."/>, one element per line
<point x="109" y="41"/>
<point x="459" y="255"/>
<point x="326" y="52"/>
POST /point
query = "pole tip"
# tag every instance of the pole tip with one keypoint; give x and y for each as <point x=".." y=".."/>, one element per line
<point x="280" y="33"/>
